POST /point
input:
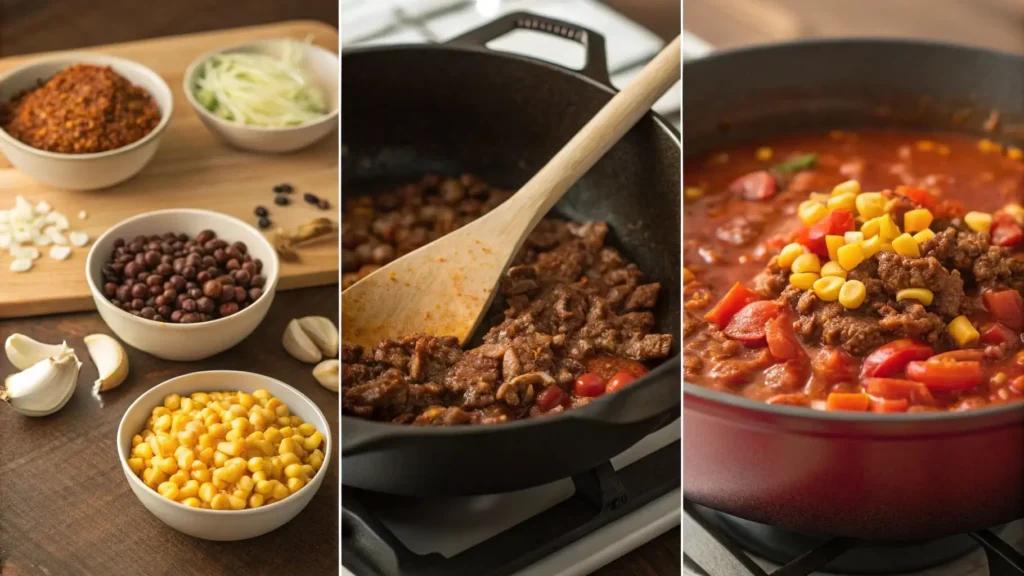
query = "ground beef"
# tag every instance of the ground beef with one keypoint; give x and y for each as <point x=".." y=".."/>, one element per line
<point x="898" y="273"/>
<point x="771" y="281"/>
<point x="566" y="299"/>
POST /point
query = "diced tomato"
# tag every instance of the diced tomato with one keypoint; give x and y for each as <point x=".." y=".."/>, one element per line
<point x="589" y="384"/>
<point x="897" y="389"/>
<point x="549" y="398"/>
<point x="618" y="382"/>
<point x="969" y="354"/>
<point x="1007" y="306"/>
<point x="748" y="325"/>
<point x="886" y="405"/>
<point x="946" y="376"/>
<point x="996" y="334"/>
<point x="837" y="223"/>
<point x="755" y="186"/>
<point x="892" y="358"/>
<point x="1005" y="230"/>
<point x="734" y="300"/>
<point x="856" y="402"/>
<point x="918" y="195"/>
<point x="608" y="366"/>
<point x="832" y="365"/>
<point x="782" y="342"/>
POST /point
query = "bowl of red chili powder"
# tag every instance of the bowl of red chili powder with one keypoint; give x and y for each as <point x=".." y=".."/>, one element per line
<point x="82" y="121"/>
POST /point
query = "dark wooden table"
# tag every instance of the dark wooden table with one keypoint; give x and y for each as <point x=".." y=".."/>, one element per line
<point x="66" y="507"/>
<point x="52" y="519"/>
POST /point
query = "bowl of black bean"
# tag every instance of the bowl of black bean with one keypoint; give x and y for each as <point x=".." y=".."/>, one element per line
<point x="182" y="284"/>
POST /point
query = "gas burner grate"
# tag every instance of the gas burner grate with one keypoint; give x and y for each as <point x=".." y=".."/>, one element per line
<point x="602" y="495"/>
<point x="713" y="548"/>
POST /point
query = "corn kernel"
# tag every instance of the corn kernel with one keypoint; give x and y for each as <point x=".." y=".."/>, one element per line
<point x="979" y="221"/>
<point x="192" y="502"/>
<point x="842" y="201"/>
<point x="922" y="295"/>
<point x="280" y="490"/>
<point x="924" y="236"/>
<point x="172" y="402"/>
<point x="256" y="500"/>
<point x="832" y="269"/>
<point x="925" y="145"/>
<point x="870" y="205"/>
<point x="806" y="263"/>
<point x="264" y="487"/>
<point x="850" y="256"/>
<point x="962" y="331"/>
<point x="179" y="478"/>
<point x="693" y="193"/>
<point x="1014" y="153"/>
<point x="870" y="228"/>
<point x="905" y="245"/>
<point x="272" y="434"/>
<point x="313" y="441"/>
<point x="288" y="459"/>
<point x="827" y="288"/>
<point x="852" y="294"/>
<point x="286" y="429"/>
<point x="259" y="476"/>
<point x="848" y="187"/>
<point x="153" y="477"/>
<point x="295" y="421"/>
<point x="810" y="212"/>
<point x="308" y="429"/>
<point x="261" y="394"/>
<point x="189" y="490"/>
<point x="833" y="244"/>
<point x="168" y="490"/>
<point x="1016" y="210"/>
<point x="294" y="484"/>
<point x="220" y="502"/>
<point x="986" y="146"/>
<point x="293" y="471"/>
<point x="236" y="503"/>
<point x="137" y="465"/>
<point x="788" y="254"/>
<point x="887" y="229"/>
<point x="917" y="220"/>
<point x="803" y="280"/>
<point x="763" y="154"/>
<point x="887" y="247"/>
<point x="287" y="445"/>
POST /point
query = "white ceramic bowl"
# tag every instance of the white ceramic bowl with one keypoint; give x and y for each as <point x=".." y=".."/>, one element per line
<point x="183" y="342"/>
<point x="221" y="524"/>
<point x="323" y="65"/>
<point x="84" y="171"/>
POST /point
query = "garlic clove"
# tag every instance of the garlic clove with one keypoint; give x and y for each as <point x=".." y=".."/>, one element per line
<point x="323" y="333"/>
<point x="78" y="238"/>
<point x="25" y="352"/>
<point x="110" y="359"/>
<point x="60" y="252"/>
<point x="45" y="387"/>
<point x="326" y="373"/>
<point x="299" y="345"/>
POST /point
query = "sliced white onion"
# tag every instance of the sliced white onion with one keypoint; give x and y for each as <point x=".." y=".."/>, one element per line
<point x="24" y="252"/>
<point x="5" y="241"/>
<point x="21" y="265"/>
<point x="42" y="240"/>
<point x="5" y="216"/>
<point x="22" y="235"/>
<point x="57" y="236"/>
<point x="79" y="238"/>
<point x="43" y="207"/>
<point x="60" y="252"/>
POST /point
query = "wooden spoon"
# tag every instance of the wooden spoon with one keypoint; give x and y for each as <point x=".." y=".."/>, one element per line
<point x="445" y="287"/>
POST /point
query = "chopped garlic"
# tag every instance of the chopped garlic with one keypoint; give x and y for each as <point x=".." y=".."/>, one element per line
<point x="60" y="252"/>
<point x="79" y="238"/>
<point x="43" y="207"/>
<point x="21" y="265"/>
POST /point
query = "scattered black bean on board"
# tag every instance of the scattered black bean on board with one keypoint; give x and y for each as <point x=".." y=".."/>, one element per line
<point x="283" y="189"/>
<point x="310" y="198"/>
<point x="264" y="222"/>
<point x="261" y="211"/>
<point x="281" y="200"/>
<point x="323" y="204"/>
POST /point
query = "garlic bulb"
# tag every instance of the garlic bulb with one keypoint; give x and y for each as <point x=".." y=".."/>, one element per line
<point x="299" y="344"/>
<point x="322" y="332"/>
<point x="110" y="359"/>
<point x="326" y="373"/>
<point x="45" y="387"/>
<point x="25" y="352"/>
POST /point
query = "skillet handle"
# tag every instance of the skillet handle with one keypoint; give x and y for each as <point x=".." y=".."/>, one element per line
<point x="595" y="66"/>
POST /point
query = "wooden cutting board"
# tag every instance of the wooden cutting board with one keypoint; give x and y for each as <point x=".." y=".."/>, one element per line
<point x="191" y="169"/>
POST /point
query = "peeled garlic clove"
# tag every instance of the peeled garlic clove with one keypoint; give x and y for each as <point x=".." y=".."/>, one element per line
<point x="44" y="387"/>
<point x="299" y="345"/>
<point x="110" y="359"/>
<point x="25" y="352"/>
<point x="323" y="333"/>
<point x="326" y="373"/>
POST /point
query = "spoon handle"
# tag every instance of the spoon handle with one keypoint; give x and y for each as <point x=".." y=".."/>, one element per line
<point x="579" y="155"/>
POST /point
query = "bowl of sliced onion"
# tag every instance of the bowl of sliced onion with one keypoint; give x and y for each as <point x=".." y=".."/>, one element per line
<point x="266" y="96"/>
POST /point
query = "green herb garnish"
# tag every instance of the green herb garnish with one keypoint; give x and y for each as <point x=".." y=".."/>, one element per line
<point x="805" y="162"/>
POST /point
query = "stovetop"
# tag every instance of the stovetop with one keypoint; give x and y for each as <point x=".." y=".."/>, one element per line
<point x="566" y="528"/>
<point x="716" y="544"/>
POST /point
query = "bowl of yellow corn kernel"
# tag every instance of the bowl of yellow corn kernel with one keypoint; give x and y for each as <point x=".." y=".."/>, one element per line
<point x="224" y="455"/>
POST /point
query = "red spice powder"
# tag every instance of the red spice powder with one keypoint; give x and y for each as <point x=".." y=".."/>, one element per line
<point x="83" y="109"/>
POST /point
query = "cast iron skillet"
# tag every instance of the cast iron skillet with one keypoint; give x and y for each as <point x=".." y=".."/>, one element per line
<point x="459" y="107"/>
<point x="899" y="477"/>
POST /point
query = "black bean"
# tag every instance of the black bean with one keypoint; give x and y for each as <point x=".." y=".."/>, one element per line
<point x="281" y="200"/>
<point x="261" y="212"/>
<point x="283" y="188"/>
<point x="310" y="198"/>
<point x="264" y="223"/>
<point x="323" y="204"/>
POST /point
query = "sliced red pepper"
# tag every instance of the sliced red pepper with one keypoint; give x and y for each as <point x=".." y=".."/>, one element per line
<point x="1005" y="230"/>
<point x="838" y="223"/>
<point x="920" y="196"/>
<point x="832" y="365"/>
<point x="619" y="381"/>
<point x="1007" y="306"/>
<point x="996" y="334"/>
<point x="734" y="300"/>
<point x="890" y="359"/>
<point x="748" y="325"/>
<point x="968" y="354"/>
<point x="896" y="389"/>
<point x="886" y="405"/>
<point x="946" y="376"/>
<point x="549" y="398"/>
<point x="855" y="402"/>
<point x="756" y="186"/>
<point x="782" y="342"/>
<point x="589" y="384"/>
